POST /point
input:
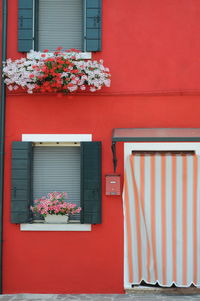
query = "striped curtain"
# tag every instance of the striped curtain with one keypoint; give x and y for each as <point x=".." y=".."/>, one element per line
<point x="162" y="219"/>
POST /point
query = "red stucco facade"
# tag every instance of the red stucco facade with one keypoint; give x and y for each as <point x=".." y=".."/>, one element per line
<point x="152" y="49"/>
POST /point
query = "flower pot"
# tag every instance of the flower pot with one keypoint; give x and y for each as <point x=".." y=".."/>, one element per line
<point x="56" y="219"/>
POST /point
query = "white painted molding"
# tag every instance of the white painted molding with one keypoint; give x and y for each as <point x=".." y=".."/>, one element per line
<point x="86" y="55"/>
<point x="79" y="55"/>
<point x="55" y="227"/>
<point x="56" y="137"/>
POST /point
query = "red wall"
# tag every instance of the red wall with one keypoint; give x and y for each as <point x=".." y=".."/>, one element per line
<point x="150" y="46"/>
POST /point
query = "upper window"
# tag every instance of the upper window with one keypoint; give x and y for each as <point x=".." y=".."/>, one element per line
<point x="60" y="23"/>
<point x="48" y="24"/>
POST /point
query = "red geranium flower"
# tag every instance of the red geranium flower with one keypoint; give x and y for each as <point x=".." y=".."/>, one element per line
<point x="59" y="48"/>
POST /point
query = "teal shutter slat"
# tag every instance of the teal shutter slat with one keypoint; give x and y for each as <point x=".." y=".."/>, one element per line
<point x="21" y="182"/>
<point x="91" y="182"/>
<point x="93" y="25"/>
<point x="25" y="25"/>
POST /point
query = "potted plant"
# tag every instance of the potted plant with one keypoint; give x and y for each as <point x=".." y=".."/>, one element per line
<point x="54" y="208"/>
<point x="59" y="72"/>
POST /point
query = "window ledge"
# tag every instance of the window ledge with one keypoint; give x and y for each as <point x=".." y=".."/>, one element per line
<point x="55" y="227"/>
<point x="79" y="55"/>
<point x="56" y="137"/>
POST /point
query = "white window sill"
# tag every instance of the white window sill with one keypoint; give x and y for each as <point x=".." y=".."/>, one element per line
<point x="55" y="227"/>
<point x="79" y="55"/>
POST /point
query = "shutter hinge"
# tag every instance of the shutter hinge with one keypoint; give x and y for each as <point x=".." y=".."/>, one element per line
<point x="21" y="19"/>
<point x="98" y="19"/>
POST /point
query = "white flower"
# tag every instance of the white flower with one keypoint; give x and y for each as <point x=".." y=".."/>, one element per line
<point x="107" y="82"/>
<point x="23" y="72"/>
<point x="73" y="88"/>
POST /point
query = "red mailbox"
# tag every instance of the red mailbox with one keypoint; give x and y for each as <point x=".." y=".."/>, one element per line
<point x="113" y="185"/>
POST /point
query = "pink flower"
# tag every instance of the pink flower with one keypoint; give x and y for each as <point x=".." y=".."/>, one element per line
<point x="54" y="203"/>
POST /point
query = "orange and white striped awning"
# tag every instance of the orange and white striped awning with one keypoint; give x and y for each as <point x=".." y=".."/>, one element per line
<point x="162" y="219"/>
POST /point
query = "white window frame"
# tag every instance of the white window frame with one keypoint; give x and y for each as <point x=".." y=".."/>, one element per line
<point x="56" y="138"/>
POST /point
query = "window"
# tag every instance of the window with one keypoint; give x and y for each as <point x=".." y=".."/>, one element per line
<point x="54" y="17"/>
<point x="57" y="168"/>
<point x="26" y="170"/>
<point x="47" y="24"/>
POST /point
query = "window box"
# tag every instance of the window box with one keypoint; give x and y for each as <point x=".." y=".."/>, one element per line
<point x="61" y="71"/>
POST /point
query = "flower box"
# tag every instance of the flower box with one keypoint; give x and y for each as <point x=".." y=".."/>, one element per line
<point x="54" y="208"/>
<point x="56" y="219"/>
<point x="63" y="72"/>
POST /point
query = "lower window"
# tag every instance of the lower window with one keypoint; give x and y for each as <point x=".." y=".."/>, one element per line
<point x="38" y="169"/>
<point x="57" y="168"/>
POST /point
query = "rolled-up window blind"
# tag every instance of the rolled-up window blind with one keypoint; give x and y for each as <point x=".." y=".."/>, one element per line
<point x="60" y="23"/>
<point x="57" y="168"/>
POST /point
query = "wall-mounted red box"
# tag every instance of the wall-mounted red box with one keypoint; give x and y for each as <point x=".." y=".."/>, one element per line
<point x="113" y="185"/>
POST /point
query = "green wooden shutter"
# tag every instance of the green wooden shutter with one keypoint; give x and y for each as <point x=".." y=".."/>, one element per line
<point x="93" y="27"/>
<point x="21" y="182"/>
<point x="91" y="182"/>
<point x="25" y="25"/>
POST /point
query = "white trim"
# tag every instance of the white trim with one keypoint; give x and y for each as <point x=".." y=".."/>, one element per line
<point x="55" y="227"/>
<point x="56" y="137"/>
<point x="86" y="55"/>
<point x="165" y="146"/>
<point x="79" y="55"/>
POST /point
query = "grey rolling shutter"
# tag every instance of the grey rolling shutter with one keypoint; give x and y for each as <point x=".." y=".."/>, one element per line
<point x="60" y="23"/>
<point x="25" y="25"/>
<point x="91" y="182"/>
<point x="57" y="168"/>
<point x="21" y="182"/>
<point x="93" y="25"/>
